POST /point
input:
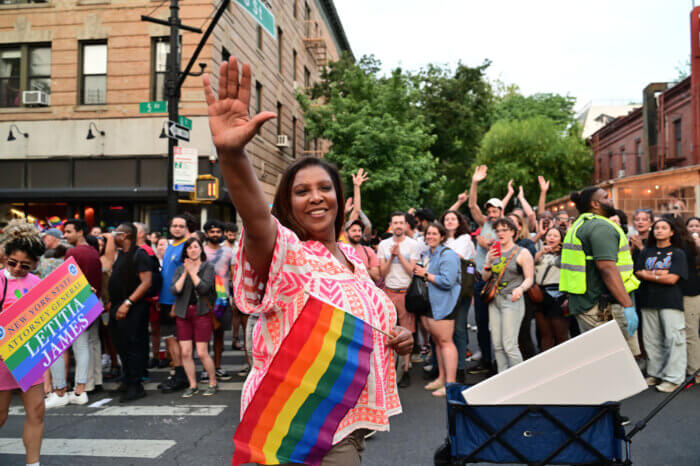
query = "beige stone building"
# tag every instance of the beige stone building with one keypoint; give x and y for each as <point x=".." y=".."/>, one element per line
<point x="73" y="68"/>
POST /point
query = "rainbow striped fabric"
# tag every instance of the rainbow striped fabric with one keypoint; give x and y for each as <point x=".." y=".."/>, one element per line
<point x="55" y="222"/>
<point x="42" y="324"/>
<point x="315" y="378"/>
<point x="221" y="297"/>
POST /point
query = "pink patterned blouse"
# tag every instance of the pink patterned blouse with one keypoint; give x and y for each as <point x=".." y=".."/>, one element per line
<point x="307" y="266"/>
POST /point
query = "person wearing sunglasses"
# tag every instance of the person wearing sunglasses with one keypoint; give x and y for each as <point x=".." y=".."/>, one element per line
<point x="23" y="247"/>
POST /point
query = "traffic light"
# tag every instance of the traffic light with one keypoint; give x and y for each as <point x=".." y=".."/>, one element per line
<point x="207" y="188"/>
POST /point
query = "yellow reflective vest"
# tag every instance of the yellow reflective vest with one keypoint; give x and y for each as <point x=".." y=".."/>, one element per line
<point x="573" y="259"/>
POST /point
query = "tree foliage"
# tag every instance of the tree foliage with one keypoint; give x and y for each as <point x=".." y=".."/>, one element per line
<point x="373" y="123"/>
<point x="515" y="106"/>
<point x="523" y="149"/>
<point x="459" y="105"/>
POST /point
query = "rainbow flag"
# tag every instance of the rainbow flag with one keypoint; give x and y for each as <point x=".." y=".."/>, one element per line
<point x="54" y="222"/>
<point x="314" y="379"/>
<point x="42" y="324"/>
<point x="221" y="296"/>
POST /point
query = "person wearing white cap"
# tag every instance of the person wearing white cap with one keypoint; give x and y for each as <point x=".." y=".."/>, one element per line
<point x="485" y="239"/>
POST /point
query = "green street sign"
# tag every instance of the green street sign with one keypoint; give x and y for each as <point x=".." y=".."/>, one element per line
<point x="160" y="106"/>
<point x="260" y="13"/>
<point x="184" y="121"/>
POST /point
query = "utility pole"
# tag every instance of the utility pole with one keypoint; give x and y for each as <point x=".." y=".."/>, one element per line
<point x="174" y="78"/>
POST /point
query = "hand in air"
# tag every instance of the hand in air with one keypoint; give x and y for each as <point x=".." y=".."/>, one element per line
<point x="229" y="121"/>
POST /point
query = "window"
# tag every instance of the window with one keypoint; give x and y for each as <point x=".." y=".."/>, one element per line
<point x="258" y="99"/>
<point x="279" y="50"/>
<point x="294" y="65"/>
<point x="279" y="118"/>
<point x="610" y="165"/>
<point x="294" y="137"/>
<point x="677" y="137"/>
<point x="23" y="68"/>
<point x="600" y="168"/>
<point x="93" y="74"/>
<point x="306" y="140"/>
<point x="260" y="38"/>
<point x="638" y="147"/>
<point x="160" y="51"/>
<point x="294" y="9"/>
<point x="623" y="158"/>
<point x="307" y="78"/>
<point x="225" y="54"/>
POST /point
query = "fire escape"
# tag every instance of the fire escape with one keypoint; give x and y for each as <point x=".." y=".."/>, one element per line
<point x="315" y="43"/>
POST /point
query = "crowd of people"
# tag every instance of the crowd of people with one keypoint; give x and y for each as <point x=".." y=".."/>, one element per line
<point x="415" y="281"/>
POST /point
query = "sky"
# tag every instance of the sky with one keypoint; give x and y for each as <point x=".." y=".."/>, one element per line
<point x="605" y="51"/>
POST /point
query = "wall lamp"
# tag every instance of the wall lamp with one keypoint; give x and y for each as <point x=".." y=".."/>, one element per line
<point x="11" y="137"/>
<point x="90" y="134"/>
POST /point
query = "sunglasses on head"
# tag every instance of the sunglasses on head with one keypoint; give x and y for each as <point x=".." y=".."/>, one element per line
<point x="13" y="263"/>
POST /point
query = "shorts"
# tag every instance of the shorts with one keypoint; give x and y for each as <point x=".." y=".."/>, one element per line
<point x="167" y="323"/>
<point x="451" y="316"/>
<point x="406" y="319"/>
<point x="194" y="327"/>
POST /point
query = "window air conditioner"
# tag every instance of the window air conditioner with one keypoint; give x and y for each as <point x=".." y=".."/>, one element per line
<point x="39" y="98"/>
<point x="621" y="173"/>
<point x="282" y="140"/>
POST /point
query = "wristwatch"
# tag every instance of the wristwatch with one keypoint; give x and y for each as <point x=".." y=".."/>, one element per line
<point x="128" y="302"/>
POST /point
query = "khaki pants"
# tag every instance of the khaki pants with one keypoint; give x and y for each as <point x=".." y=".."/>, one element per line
<point x="691" y="309"/>
<point x="594" y="317"/>
<point x="347" y="452"/>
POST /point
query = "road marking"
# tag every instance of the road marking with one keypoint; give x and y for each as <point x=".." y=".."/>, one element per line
<point x="99" y="404"/>
<point x="135" y="410"/>
<point x="153" y="386"/>
<point x="231" y="368"/>
<point x="150" y="449"/>
<point x="183" y="410"/>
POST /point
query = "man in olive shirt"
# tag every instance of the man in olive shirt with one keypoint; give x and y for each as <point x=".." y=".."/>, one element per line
<point x="605" y="294"/>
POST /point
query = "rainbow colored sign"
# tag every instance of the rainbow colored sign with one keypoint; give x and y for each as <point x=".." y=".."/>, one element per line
<point x="42" y="324"/>
<point x="315" y="378"/>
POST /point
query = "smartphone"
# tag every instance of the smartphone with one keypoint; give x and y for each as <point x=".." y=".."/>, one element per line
<point x="497" y="249"/>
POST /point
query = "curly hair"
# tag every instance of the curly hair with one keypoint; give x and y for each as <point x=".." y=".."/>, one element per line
<point x="20" y="235"/>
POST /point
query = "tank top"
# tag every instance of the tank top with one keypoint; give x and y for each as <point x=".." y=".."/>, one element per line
<point x="513" y="276"/>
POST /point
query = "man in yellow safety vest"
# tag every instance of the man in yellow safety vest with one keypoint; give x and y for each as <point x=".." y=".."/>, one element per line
<point x="597" y="267"/>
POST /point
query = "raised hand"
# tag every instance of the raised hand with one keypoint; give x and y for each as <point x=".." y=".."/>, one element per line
<point x="229" y="120"/>
<point x="348" y="204"/>
<point x="511" y="191"/>
<point x="521" y="193"/>
<point x="462" y="197"/>
<point x="360" y="177"/>
<point x="480" y="173"/>
<point x="544" y="184"/>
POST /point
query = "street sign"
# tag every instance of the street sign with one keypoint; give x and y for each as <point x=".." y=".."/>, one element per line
<point x="260" y="13"/>
<point x="184" y="169"/>
<point x="184" y="121"/>
<point x="159" y="106"/>
<point x="207" y="189"/>
<point x="176" y="131"/>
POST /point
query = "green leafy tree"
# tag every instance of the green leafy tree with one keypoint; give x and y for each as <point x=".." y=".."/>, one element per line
<point x="515" y="106"/>
<point x="459" y="106"/>
<point x="373" y="122"/>
<point x="523" y="149"/>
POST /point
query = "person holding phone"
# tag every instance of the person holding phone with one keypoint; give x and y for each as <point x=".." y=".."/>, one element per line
<point x="515" y="267"/>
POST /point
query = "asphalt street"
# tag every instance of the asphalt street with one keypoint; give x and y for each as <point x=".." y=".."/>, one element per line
<point x="169" y="430"/>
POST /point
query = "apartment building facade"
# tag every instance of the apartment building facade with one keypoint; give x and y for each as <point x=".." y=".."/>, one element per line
<point x="73" y="74"/>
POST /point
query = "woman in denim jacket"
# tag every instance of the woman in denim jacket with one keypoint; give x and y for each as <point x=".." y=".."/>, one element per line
<point x="443" y="275"/>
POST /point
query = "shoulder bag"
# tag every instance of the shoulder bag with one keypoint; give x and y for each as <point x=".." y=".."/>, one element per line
<point x="535" y="291"/>
<point x="491" y="287"/>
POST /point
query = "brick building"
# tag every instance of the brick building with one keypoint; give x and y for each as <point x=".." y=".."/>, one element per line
<point x="87" y="65"/>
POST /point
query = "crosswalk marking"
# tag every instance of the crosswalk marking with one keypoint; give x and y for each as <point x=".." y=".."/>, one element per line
<point x="153" y="386"/>
<point x="134" y="410"/>
<point x="132" y="448"/>
<point x="231" y="368"/>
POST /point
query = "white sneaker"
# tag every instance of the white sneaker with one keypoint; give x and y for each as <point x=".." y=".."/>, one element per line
<point x="475" y="357"/>
<point x="78" y="399"/>
<point x="55" y="401"/>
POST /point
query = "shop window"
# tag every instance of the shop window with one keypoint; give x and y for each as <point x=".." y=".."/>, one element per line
<point x="23" y="68"/>
<point x="93" y="75"/>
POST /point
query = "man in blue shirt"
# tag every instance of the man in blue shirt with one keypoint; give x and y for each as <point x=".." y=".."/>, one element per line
<point x="172" y="259"/>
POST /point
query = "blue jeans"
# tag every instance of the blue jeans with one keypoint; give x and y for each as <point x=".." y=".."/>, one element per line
<point x="481" y="313"/>
<point x="461" y="337"/>
<point x="82" y="363"/>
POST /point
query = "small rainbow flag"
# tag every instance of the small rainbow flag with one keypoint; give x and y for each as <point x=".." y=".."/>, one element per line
<point x="314" y="379"/>
<point x="54" y="222"/>
<point x="221" y="296"/>
<point x="42" y="324"/>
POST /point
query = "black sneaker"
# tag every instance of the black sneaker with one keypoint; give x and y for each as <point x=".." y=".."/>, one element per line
<point x="174" y="384"/>
<point x="479" y="369"/>
<point x="222" y="374"/>
<point x="133" y="392"/>
<point x="405" y="380"/>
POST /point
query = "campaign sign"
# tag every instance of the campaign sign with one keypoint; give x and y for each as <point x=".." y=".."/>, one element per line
<point x="42" y="324"/>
